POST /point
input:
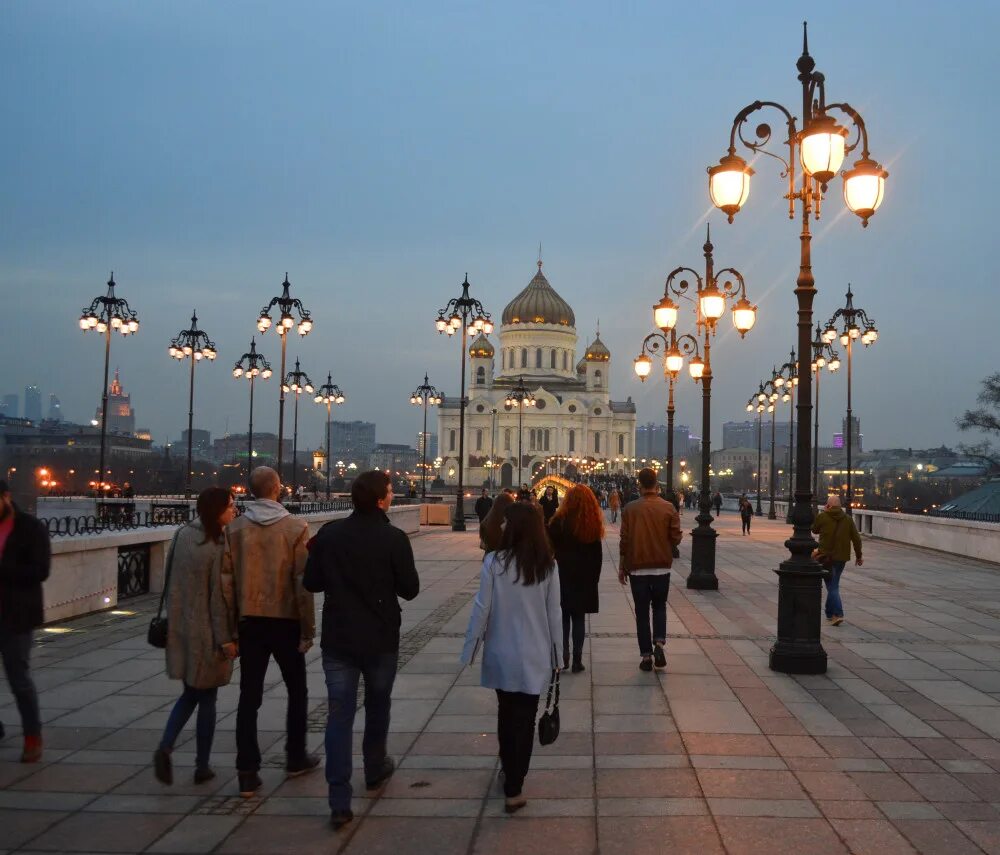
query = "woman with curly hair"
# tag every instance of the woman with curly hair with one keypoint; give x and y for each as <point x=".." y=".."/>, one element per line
<point x="576" y="531"/>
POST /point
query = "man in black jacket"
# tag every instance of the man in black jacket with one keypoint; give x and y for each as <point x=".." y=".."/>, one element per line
<point x="362" y="564"/>
<point x="24" y="565"/>
<point x="483" y="505"/>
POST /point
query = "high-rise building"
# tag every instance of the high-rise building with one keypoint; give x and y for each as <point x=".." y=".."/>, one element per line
<point x="10" y="406"/>
<point x="33" y="403"/>
<point x="651" y="441"/>
<point x="856" y="436"/>
<point x="121" y="416"/>
<point x="352" y="442"/>
<point x="55" y="409"/>
<point x="201" y="441"/>
<point x="431" y="440"/>
<point x="740" y="435"/>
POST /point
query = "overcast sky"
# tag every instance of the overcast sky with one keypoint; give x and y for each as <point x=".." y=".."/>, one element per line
<point x="378" y="151"/>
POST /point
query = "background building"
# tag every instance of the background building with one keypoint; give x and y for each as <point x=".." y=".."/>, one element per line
<point x="33" y="403"/>
<point x="431" y="440"/>
<point x="10" y="406"/>
<point x="55" y="409"/>
<point x="394" y="457"/>
<point x="201" y="442"/>
<point x="233" y="448"/>
<point x="121" y="416"/>
<point x="352" y="442"/>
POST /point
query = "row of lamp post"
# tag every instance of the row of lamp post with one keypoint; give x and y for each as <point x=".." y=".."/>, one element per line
<point x="425" y="395"/>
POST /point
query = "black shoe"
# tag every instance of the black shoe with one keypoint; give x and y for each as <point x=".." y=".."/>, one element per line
<point x="162" y="767"/>
<point x="203" y="774"/>
<point x="294" y="768"/>
<point x="3" y="732"/>
<point x="659" y="657"/>
<point x="646" y="664"/>
<point x="577" y="667"/>
<point x="384" y="774"/>
<point x="340" y="818"/>
<point x="250" y="782"/>
<point x="565" y="663"/>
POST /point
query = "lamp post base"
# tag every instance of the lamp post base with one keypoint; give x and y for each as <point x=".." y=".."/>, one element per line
<point x="798" y="649"/>
<point x="702" y="576"/>
<point x="458" y="521"/>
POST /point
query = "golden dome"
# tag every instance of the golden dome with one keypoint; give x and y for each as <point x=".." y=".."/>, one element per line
<point x="481" y="348"/>
<point x="539" y="304"/>
<point x="597" y="351"/>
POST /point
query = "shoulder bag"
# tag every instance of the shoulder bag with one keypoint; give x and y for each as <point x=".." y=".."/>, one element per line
<point x="548" y="724"/>
<point x="826" y="559"/>
<point x="156" y="635"/>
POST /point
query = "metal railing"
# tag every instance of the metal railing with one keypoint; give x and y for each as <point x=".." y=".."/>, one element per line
<point x="122" y="521"/>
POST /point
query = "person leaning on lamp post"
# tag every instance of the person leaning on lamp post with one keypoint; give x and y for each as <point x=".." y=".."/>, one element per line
<point x="650" y="530"/>
<point x="25" y="555"/>
<point x="362" y="564"/>
<point x="274" y="615"/>
<point x="837" y="533"/>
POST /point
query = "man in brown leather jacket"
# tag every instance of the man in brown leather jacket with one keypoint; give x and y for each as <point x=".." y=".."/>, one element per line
<point x="650" y="529"/>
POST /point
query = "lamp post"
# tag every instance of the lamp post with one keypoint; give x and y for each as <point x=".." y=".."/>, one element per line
<point x="756" y="405"/>
<point x="852" y="318"/>
<point x="287" y="305"/>
<point x="493" y="447"/>
<point x="823" y="355"/>
<point x="517" y="399"/>
<point x="710" y="298"/>
<point x="424" y="394"/>
<point x="106" y="313"/>
<point x="772" y="400"/>
<point x="329" y="393"/>
<point x="296" y="381"/>
<point x="787" y="386"/>
<point x="820" y="147"/>
<point x="193" y="344"/>
<point x="251" y="365"/>
<point x="465" y="313"/>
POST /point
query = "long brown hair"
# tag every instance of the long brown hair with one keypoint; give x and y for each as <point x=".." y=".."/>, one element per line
<point x="581" y="515"/>
<point x="525" y="544"/>
<point x="491" y="528"/>
<point x="212" y="504"/>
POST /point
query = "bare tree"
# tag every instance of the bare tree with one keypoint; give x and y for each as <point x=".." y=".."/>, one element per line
<point x="985" y="418"/>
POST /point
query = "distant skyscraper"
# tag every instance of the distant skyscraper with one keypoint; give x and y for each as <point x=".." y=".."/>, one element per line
<point x="856" y="436"/>
<point x="10" y="406"/>
<point x="740" y="434"/>
<point x="431" y="439"/>
<point x="33" y="403"/>
<point x="352" y="442"/>
<point x="121" y="416"/>
<point x="651" y="441"/>
<point x="55" y="409"/>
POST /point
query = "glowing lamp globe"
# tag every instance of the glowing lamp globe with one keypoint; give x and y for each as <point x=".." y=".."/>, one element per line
<point x="821" y="148"/>
<point x="729" y="184"/>
<point x="864" y="188"/>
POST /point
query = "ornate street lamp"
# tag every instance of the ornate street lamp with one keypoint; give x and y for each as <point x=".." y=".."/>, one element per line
<point x="425" y="394"/>
<point x="771" y="396"/>
<point x="193" y="344"/>
<point x="105" y="314"/>
<point x="853" y="321"/>
<point x="251" y="365"/>
<point x="787" y="386"/>
<point x="296" y="381"/>
<point x="465" y="313"/>
<point x="712" y="293"/>
<point x="518" y="399"/>
<point x="757" y="405"/>
<point x="820" y="147"/>
<point x="329" y="393"/>
<point x="823" y="356"/>
<point x="289" y="308"/>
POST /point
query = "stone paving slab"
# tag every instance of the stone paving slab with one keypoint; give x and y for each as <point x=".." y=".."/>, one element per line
<point x="895" y="749"/>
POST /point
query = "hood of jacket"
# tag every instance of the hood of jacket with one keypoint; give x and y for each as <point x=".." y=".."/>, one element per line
<point x="835" y="513"/>
<point x="265" y="512"/>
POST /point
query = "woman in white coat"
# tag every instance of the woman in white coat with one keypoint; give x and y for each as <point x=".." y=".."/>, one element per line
<point x="517" y="619"/>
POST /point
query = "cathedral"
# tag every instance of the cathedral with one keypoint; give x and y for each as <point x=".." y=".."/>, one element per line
<point x="573" y="424"/>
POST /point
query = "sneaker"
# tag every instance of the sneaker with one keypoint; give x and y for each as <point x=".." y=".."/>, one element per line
<point x="162" y="767"/>
<point x="514" y="804"/>
<point x="3" y="732"/>
<point x="838" y="620"/>
<point x="250" y="782"/>
<point x="203" y="774"/>
<point x="383" y="775"/>
<point x="578" y="667"/>
<point x="32" y="752"/>
<point x="646" y="664"/>
<point x="659" y="657"/>
<point x="830" y="620"/>
<point x="294" y="768"/>
<point x="340" y="818"/>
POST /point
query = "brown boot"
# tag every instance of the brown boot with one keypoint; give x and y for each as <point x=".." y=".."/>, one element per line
<point x="32" y="749"/>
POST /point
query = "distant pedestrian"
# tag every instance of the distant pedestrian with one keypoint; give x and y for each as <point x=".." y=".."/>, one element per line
<point x="491" y="528"/>
<point x="199" y="647"/>
<point x="717" y="502"/>
<point x="577" y="532"/>
<point x="615" y="503"/>
<point x="24" y="565"/>
<point x="273" y="615"/>
<point x="651" y="528"/>
<point x="549" y="503"/>
<point x="483" y="504"/>
<point x="746" y="514"/>
<point x="362" y="564"/>
<point x="837" y="533"/>
<point x="516" y="618"/>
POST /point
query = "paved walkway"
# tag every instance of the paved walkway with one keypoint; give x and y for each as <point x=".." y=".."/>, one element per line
<point x="895" y="749"/>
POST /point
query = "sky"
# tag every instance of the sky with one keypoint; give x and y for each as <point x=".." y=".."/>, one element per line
<point x="379" y="151"/>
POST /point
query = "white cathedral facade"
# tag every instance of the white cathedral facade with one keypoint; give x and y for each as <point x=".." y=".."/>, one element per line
<point x="574" y="420"/>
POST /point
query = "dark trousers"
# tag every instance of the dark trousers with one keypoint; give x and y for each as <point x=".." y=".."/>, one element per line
<point x="745" y="519"/>
<point x="578" y="622"/>
<point x="15" y="649"/>
<point x="650" y="592"/>
<point x="260" y="639"/>
<point x="516" y="713"/>
<point x="342" y="674"/>
<point x="204" y="700"/>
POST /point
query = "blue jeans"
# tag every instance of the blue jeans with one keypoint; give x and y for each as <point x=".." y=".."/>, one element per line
<point x="204" y="700"/>
<point x="15" y="650"/>
<point x="650" y="592"/>
<point x="342" y="673"/>
<point x="834" y="607"/>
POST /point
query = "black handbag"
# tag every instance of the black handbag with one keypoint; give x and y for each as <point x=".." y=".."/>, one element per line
<point x="548" y="724"/>
<point x="156" y="635"/>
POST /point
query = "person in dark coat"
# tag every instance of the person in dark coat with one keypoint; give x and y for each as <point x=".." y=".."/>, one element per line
<point x="483" y="505"/>
<point x="717" y="502"/>
<point x="577" y="532"/>
<point x="549" y="503"/>
<point x="25" y="555"/>
<point x="746" y="514"/>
